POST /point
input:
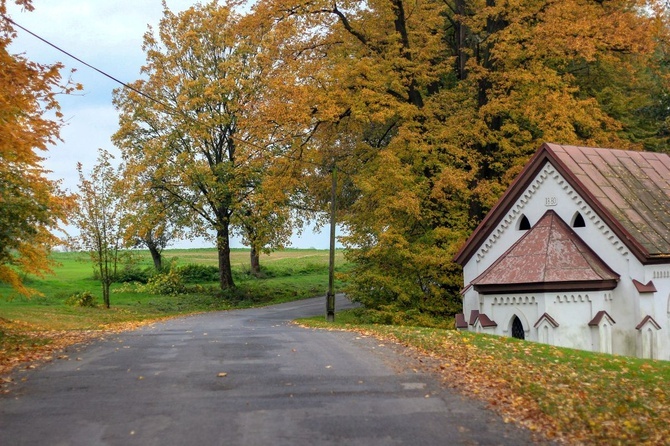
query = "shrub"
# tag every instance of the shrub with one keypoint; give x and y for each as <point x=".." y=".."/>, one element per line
<point x="134" y="274"/>
<point x="197" y="273"/>
<point x="83" y="299"/>
<point x="170" y="283"/>
<point x="390" y="315"/>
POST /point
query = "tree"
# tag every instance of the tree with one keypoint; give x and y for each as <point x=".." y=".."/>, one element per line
<point x="147" y="225"/>
<point x="264" y="225"/>
<point x="446" y="100"/>
<point x="32" y="206"/>
<point x="152" y="219"/>
<point x="196" y="120"/>
<point x="99" y="217"/>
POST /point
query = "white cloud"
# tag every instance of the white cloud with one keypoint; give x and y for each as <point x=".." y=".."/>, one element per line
<point x="107" y="35"/>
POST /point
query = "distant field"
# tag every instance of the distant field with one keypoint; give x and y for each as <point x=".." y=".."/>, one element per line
<point x="46" y="322"/>
<point x="240" y="257"/>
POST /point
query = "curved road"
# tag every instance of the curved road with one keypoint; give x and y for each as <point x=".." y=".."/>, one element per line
<point x="243" y="377"/>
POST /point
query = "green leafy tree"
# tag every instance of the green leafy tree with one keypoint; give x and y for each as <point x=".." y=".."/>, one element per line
<point x="153" y="219"/>
<point x="99" y="218"/>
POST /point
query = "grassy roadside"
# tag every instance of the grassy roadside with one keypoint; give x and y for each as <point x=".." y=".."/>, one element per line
<point x="37" y="328"/>
<point x="567" y="395"/>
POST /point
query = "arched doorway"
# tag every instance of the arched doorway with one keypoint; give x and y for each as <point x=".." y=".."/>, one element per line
<point x="517" y="328"/>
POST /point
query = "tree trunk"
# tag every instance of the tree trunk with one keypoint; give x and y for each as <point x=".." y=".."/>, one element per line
<point x="255" y="262"/>
<point x="105" y="292"/>
<point x="223" y="247"/>
<point x="155" y="255"/>
<point x="462" y="33"/>
<point x="105" y="280"/>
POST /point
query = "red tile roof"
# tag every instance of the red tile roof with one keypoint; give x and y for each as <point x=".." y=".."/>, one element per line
<point x="630" y="192"/>
<point x="548" y="257"/>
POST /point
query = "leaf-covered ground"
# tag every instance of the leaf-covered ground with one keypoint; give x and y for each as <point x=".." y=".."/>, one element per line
<point x="564" y="395"/>
<point x="23" y="346"/>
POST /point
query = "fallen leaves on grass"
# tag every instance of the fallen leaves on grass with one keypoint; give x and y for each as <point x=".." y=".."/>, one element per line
<point x="23" y="345"/>
<point x="564" y="395"/>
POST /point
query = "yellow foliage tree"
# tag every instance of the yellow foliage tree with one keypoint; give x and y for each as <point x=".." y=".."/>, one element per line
<point x="200" y="122"/>
<point x="432" y="107"/>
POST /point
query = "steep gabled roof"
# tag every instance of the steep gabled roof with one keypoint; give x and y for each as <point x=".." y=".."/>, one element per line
<point x="630" y="192"/>
<point x="549" y="319"/>
<point x="598" y="318"/>
<point x="548" y="257"/>
<point x="650" y="320"/>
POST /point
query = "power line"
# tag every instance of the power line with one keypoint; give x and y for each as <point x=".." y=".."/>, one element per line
<point x="85" y="63"/>
<point x="140" y="92"/>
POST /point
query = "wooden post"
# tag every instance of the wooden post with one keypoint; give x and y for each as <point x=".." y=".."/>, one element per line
<point x="330" y="297"/>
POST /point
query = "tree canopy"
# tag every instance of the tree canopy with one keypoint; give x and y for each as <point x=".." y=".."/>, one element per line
<point x="434" y="106"/>
<point x="32" y="206"/>
<point x="188" y="134"/>
<point x="428" y="109"/>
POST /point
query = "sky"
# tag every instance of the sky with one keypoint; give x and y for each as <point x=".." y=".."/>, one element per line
<point x="107" y="35"/>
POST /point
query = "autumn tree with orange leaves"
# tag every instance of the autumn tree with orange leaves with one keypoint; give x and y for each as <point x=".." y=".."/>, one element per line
<point x="433" y="107"/>
<point x="32" y="206"/>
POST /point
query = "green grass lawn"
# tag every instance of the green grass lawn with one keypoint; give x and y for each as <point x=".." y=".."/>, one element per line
<point x="288" y="275"/>
<point x="576" y="396"/>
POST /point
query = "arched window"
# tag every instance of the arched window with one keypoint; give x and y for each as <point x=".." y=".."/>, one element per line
<point x="524" y="224"/>
<point x="517" y="328"/>
<point x="578" y="221"/>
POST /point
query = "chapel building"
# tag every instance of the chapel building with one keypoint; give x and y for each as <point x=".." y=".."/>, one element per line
<point x="576" y="253"/>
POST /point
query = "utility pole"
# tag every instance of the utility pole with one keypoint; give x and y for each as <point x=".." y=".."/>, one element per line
<point x="330" y="297"/>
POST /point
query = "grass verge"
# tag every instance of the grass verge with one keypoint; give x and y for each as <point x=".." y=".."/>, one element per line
<point x="568" y="395"/>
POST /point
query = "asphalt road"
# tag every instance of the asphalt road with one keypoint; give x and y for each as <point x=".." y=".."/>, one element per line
<point x="244" y="377"/>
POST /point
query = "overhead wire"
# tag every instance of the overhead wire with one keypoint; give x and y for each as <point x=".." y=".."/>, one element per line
<point x="130" y="87"/>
